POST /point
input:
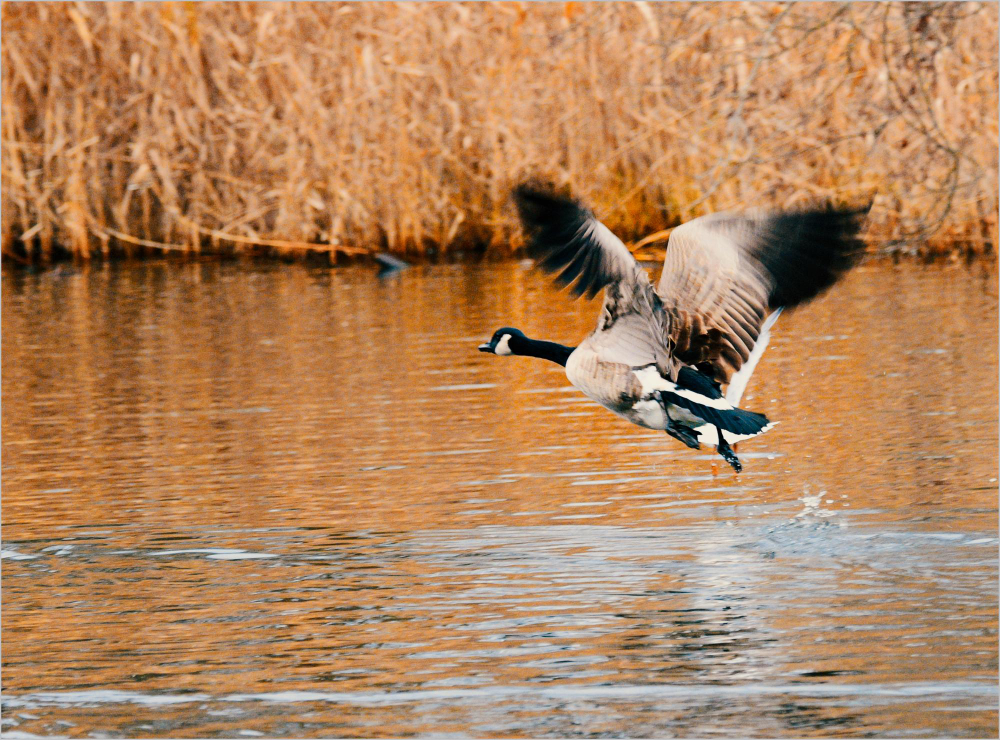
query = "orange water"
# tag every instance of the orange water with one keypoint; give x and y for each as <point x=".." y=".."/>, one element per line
<point x="298" y="502"/>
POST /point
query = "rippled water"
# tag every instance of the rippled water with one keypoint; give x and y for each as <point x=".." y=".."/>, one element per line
<point x="295" y="501"/>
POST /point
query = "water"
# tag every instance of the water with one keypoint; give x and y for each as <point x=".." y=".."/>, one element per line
<point x="291" y="501"/>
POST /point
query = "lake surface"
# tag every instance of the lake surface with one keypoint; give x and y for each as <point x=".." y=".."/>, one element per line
<point x="290" y="501"/>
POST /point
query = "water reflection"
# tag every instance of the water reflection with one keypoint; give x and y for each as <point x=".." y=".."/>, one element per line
<point x="298" y="502"/>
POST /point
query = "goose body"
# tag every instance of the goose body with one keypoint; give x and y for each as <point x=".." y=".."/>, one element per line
<point x="638" y="404"/>
<point x="659" y="356"/>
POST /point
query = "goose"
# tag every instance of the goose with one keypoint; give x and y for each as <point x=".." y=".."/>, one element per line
<point x="660" y="356"/>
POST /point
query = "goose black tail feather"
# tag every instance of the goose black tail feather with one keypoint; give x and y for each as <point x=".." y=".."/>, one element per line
<point x="732" y="420"/>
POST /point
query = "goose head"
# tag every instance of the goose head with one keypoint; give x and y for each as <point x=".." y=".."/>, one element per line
<point x="500" y="343"/>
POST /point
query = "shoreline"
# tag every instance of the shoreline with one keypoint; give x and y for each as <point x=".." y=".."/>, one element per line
<point x="924" y="255"/>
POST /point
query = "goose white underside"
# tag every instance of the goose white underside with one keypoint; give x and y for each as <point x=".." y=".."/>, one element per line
<point x="650" y="414"/>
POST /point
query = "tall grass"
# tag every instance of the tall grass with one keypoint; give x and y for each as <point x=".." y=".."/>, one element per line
<point x="346" y="127"/>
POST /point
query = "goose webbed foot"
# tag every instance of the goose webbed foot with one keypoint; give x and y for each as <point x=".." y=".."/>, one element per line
<point x="683" y="434"/>
<point x="678" y="431"/>
<point x="727" y="452"/>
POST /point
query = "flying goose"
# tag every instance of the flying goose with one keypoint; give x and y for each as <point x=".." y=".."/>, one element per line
<point x="660" y="356"/>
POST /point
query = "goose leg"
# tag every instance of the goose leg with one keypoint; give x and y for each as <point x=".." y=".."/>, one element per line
<point x="727" y="452"/>
<point x="678" y="431"/>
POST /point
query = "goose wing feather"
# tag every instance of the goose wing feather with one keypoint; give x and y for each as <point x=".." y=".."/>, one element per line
<point x="566" y="238"/>
<point x="724" y="273"/>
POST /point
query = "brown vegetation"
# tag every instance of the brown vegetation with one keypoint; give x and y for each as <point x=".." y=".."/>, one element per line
<point x="345" y="127"/>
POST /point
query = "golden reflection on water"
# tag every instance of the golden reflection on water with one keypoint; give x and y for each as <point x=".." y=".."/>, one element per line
<point x="223" y="484"/>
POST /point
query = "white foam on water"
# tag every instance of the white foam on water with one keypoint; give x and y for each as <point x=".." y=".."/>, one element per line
<point x="97" y="696"/>
<point x="8" y="554"/>
<point x="217" y="553"/>
<point x="917" y="690"/>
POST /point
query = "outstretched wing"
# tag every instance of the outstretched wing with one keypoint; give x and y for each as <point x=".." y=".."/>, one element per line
<point x="725" y="272"/>
<point x="567" y="239"/>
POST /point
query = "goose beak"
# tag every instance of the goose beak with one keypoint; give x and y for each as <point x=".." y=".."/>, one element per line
<point x="485" y="347"/>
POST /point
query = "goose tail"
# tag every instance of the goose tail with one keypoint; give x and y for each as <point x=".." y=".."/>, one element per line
<point x="708" y="435"/>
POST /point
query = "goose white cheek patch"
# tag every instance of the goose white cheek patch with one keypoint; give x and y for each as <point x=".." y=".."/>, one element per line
<point x="503" y="348"/>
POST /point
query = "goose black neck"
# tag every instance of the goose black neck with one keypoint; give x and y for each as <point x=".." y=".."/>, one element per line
<point x="557" y="353"/>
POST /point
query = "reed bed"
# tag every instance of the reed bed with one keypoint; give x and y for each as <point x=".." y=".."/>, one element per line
<point x="341" y="128"/>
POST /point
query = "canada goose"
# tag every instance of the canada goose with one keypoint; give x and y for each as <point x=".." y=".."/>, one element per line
<point x="659" y="356"/>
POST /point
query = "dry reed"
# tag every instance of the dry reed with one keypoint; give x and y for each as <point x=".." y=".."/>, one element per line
<point x="344" y="127"/>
